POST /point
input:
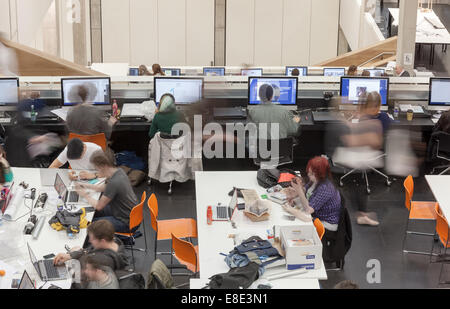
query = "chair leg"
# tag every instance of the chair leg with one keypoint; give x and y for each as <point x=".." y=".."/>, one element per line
<point x="442" y="267"/>
<point x="406" y="234"/>
<point x="444" y="172"/>
<point x="346" y="175"/>
<point x="367" y="182"/>
<point x="132" y="255"/>
<point x="145" y="237"/>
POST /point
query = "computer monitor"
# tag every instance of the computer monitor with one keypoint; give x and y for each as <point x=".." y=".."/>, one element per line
<point x="133" y="72"/>
<point x="285" y="89"/>
<point x="99" y="90"/>
<point x="333" y="71"/>
<point x="9" y="93"/>
<point x="172" y="72"/>
<point x="352" y="88"/>
<point x="252" y="72"/>
<point x="185" y="90"/>
<point x="214" y="71"/>
<point x="303" y="71"/>
<point x="376" y="72"/>
<point x="439" y="92"/>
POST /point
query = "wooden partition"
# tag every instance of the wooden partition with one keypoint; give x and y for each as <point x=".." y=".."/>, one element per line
<point x="32" y="62"/>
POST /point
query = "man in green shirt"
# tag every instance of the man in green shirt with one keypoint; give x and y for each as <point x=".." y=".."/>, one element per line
<point x="166" y="117"/>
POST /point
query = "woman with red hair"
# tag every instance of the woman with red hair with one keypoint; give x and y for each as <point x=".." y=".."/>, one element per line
<point x="319" y="197"/>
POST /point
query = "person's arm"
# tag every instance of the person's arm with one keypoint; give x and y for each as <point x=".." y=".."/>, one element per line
<point x="97" y="204"/>
<point x="88" y="186"/>
<point x="56" y="164"/>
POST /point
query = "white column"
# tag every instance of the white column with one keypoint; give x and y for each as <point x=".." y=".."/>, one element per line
<point x="407" y="29"/>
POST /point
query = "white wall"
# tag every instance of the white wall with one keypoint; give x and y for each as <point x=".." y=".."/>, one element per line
<point x="4" y="17"/>
<point x="283" y="32"/>
<point x="169" y="32"/>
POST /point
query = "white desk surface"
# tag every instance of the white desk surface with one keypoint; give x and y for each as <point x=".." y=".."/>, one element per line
<point x="426" y="33"/>
<point x="213" y="188"/>
<point x="284" y="284"/>
<point x="440" y="186"/>
<point x="49" y="241"/>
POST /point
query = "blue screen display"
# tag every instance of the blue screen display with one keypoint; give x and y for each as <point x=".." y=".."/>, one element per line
<point x="214" y="71"/>
<point x="333" y="72"/>
<point x="354" y="88"/>
<point x="172" y="72"/>
<point x="134" y="72"/>
<point x="285" y="90"/>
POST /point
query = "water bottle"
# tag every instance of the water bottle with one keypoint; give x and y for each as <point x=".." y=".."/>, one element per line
<point x="60" y="204"/>
<point x="209" y="215"/>
<point x="396" y="112"/>
<point x="33" y="114"/>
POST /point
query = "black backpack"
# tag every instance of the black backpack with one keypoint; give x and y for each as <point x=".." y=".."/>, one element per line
<point x="236" y="278"/>
<point x="130" y="280"/>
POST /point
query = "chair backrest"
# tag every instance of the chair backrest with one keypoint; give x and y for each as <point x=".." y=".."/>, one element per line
<point x="409" y="191"/>
<point x="153" y="207"/>
<point x="137" y="213"/>
<point x="443" y="143"/>
<point x="98" y="139"/>
<point x="442" y="228"/>
<point x="184" y="251"/>
<point x="320" y="228"/>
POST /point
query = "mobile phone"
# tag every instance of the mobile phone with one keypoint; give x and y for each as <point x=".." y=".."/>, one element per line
<point x="241" y="206"/>
<point x="50" y="256"/>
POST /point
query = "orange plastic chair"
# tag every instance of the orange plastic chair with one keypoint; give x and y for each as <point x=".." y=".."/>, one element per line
<point x="320" y="228"/>
<point x="186" y="253"/>
<point x="136" y="218"/>
<point x="417" y="211"/>
<point x="442" y="230"/>
<point x="98" y="139"/>
<point x="183" y="228"/>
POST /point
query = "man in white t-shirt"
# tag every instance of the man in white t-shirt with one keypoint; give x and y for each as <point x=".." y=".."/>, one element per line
<point x="78" y="154"/>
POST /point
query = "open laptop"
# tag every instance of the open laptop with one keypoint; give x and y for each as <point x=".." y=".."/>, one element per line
<point x="26" y="283"/>
<point x="225" y="213"/>
<point x="69" y="197"/>
<point x="238" y="112"/>
<point x="46" y="269"/>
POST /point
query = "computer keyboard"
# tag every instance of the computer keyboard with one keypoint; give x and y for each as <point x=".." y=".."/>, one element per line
<point x="73" y="197"/>
<point x="222" y="212"/>
<point x="52" y="271"/>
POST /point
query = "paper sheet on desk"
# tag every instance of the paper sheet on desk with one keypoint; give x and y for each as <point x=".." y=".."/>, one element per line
<point x="132" y="110"/>
<point x="61" y="113"/>
<point x="5" y="282"/>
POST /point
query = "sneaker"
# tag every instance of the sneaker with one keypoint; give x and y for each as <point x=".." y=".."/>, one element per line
<point x="363" y="220"/>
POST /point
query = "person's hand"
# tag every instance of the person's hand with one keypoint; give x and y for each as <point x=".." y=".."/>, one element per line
<point x="61" y="259"/>
<point x="87" y="176"/>
<point x="73" y="176"/>
<point x="80" y="188"/>
<point x="37" y="140"/>
<point x="291" y="194"/>
<point x="112" y="120"/>
<point x="297" y="185"/>
<point x="297" y="119"/>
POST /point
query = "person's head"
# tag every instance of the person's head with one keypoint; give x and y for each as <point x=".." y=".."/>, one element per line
<point x="167" y="103"/>
<point x="352" y="70"/>
<point x="95" y="268"/>
<point x="398" y="69"/>
<point x="143" y="70"/>
<point x="365" y="73"/>
<point x="318" y="169"/>
<point x="75" y="149"/>
<point x="156" y="68"/>
<point x="371" y="103"/>
<point x="101" y="234"/>
<point x="101" y="162"/>
<point x="295" y="72"/>
<point x="346" y="285"/>
<point x="266" y="93"/>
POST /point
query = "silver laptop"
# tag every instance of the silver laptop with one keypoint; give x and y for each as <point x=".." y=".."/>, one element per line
<point x="69" y="197"/>
<point x="225" y="213"/>
<point x="48" y="176"/>
<point x="46" y="269"/>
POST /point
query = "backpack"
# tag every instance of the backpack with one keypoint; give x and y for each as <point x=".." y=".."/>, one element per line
<point x="130" y="280"/>
<point x="268" y="178"/>
<point x="236" y="278"/>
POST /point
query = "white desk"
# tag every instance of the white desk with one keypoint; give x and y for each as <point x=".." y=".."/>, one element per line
<point x="440" y="186"/>
<point x="49" y="241"/>
<point x="285" y="284"/>
<point x="213" y="188"/>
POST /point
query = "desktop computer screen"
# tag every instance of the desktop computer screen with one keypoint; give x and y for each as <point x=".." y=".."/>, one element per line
<point x="185" y="90"/>
<point x="303" y="71"/>
<point x="9" y="91"/>
<point x="99" y="90"/>
<point x="333" y="72"/>
<point x="285" y="90"/>
<point x="376" y="72"/>
<point x="352" y="88"/>
<point x="252" y="72"/>
<point x="134" y="72"/>
<point x="172" y="72"/>
<point x="439" y="91"/>
<point x="214" y="71"/>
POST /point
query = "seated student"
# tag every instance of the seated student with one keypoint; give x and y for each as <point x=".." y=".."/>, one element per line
<point x="118" y="197"/>
<point x="295" y="72"/>
<point x="143" y="71"/>
<point x="85" y="119"/>
<point x="319" y="197"/>
<point x="102" y="241"/>
<point x="268" y="113"/>
<point x="443" y="124"/>
<point x="78" y="154"/>
<point x="352" y="70"/>
<point x="99" y="276"/>
<point x="365" y="73"/>
<point x="157" y="71"/>
<point x="6" y="174"/>
<point x="371" y="109"/>
<point x="166" y="117"/>
<point x="401" y="72"/>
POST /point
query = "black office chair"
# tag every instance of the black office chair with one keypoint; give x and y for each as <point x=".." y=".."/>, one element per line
<point x="285" y="152"/>
<point x="441" y="141"/>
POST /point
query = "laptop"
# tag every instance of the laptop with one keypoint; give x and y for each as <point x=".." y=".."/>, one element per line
<point x="325" y="117"/>
<point x="48" y="176"/>
<point x="230" y="113"/>
<point x="225" y="213"/>
<point x="26" y="283"/>
<point x="46" y="269"/>
<point x="69" y="197"/>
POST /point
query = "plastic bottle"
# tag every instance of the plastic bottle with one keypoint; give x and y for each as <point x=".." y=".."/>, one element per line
<point x="60" y="204"/>
<point x="115" y="108"/>
<point x="209" y="215"/>
<point x="33" y="114"/>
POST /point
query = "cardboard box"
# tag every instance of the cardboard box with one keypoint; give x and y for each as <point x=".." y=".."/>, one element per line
<point x="300" y="254"/>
